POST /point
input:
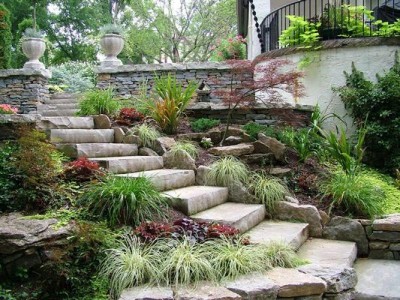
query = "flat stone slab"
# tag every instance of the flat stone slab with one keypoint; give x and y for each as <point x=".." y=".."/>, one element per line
<point x="147" y="293"/>
<point x="377" y="279"/>
<point x="294" y="234"/>
<point x="166" y="179"/>
<point x="293" y="283"/>
<point x="66" y="123"/>
<point x="206" y="292"/>
<point x="390" y="223"/>
<point x="239" y="215"/>
<point x="235" y="150"/>
<point x="78" y="136"/>
<point x="98" y="149"/>
<point x="329" y="252"/>
<point x="130" y="164"/>
<point x="193" y="199"/>
<point x="254" y="287"/>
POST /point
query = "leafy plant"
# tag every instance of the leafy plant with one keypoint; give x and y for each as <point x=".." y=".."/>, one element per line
<point x="185" y="146"/>
<point x="6" y="109"/>
<point x="128" y="116"/>
<point x="204" y="124"/>
<point x="232" y="48"/>
<point x="147" y="134"/>
<point x="73" y="76"/>
<point x="111" y="29"/>
<point x="124" y="200"/>
<point x="301" y="32"/>
<point x="96" y="102"/>
<point x="227" y="171"/>
<point x="269" y="190"/>
<point x="82" y="170"/>
<point x="206" y="143"/>
<point x="387" y="30"/>
<point x="8" y="181"/>
<point x="280" y="254"/>
<point x="5" y="38"/>
<point x="33" y="33"/>
<point x="174" y="100"/>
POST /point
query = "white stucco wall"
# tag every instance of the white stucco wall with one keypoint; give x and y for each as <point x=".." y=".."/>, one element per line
<point x="253" y="44"/>
<point x="326" y="71"/>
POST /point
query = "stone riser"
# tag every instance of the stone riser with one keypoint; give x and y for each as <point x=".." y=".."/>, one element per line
<point x="59" y="113"/>
<point x="130" y="164"/>
<point x="98" y="150"/>
<point x="48" y="123"/>
<point x="78" y="136"/>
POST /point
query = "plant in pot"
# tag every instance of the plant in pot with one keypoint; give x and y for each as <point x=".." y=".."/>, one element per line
<point x="112" y="43"/>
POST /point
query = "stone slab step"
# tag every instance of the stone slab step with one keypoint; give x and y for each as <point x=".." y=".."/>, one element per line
<point x="377" y="279"/>
<point x="98" y="150"/>
<point x="166" y="179"/>
<point x="59" y="106"/>
<point x="294" y="234"/>
<point x="193" y="199"/>
<point x="58" y="113"/>
<point x="61" y="101"/>
<point x="66" y="123"/>
<point x="239" y="215"/>
<point x="79" y="136"/>
<point x="329" y="252"/>
<point x="63" y="96"/>
<point x="130" y="164"/>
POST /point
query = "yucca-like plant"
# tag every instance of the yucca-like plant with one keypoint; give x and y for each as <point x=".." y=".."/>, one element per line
<point x="131" y="263"/>
<point x="147" y="134"/>
<point x="184" y="146"/>
<point x="279" y="254"/>
<point x="227" y="171"/>
<point x="269" y="190"/>
<point x="124" y="200"/>
<point x="97" y="101"/>
<point x="173" y="101"/>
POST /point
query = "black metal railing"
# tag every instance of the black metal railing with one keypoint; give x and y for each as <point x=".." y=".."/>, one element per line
<point x="336" y="19"/>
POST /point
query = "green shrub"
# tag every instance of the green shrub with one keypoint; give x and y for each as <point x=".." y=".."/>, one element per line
<point x="227" y="171"/>
<point x="232" y="48"/>
<point x="75" y="77"/>
<point x="280" y="254"/>
<point x="253" y="129"/>
<point x="96" y="102"/>
<point x="146" y="133"/>
<point x="5" y="38"/>
<point x="204" y="124"/>
<point x="8" y="182"/>
<point x="124" y="200"/>
<point x="269" y="190"/>
<point x="184" y="146"/>
<point x="301" y="32"/>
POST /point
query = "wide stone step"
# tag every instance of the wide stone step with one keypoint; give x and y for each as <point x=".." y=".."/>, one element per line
<point x="63" y="96"/>
<point x="239" y="215"/>
<point x="94" y="150"/>
<point x="79" y="136"/>
<point x="294" y="234"/>
<point x="58" y="113"/>
<point x="166" y="179"/>
<point x="377" y="279"/>
<point x="61" y="101"/>
<point x="329" y="252"/>
<point x="66" y="123"/>
<point x="193" y="199"/>
<point x="61" y="106"/>
<point x="130" y="164"/>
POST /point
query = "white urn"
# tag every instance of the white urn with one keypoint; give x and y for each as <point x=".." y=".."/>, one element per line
<point x="111" y="45"/>
<point x="33" y="48"/>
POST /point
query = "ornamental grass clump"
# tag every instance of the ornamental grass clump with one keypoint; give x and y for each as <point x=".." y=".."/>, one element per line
<point x="185" y="146"/>
<point x="227" y="171"/>
<point x="97" y="102"/>
<point x="123" y="200"/>
<point x="280" y="254"/>
<point x="147" y="134"/>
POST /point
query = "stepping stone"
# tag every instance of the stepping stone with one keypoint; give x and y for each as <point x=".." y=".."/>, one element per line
<point x="294" y="234"/>
<point x="98" y="150"/>
<point x="166" y="179"/>
<point x="57" y="113"/>
<point x="329" y="252"/>
<point x="236" y="150"/>
<point x="193" y="199"/>
<point x="239" y="215"/>
<point x="130" y="164"/>
<point x="377" y="279"/>
<point x="66" y="123"/>
<point x="206" y="292"/>
<point x="293" y="283"/>
<point x="78" y="136"/>
<point x="254" y="287"/>
<point x="147" y="293"/>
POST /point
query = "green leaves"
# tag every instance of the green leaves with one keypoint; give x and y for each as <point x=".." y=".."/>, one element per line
<point x="97" y="101"/>
<point x="300" y="33"/>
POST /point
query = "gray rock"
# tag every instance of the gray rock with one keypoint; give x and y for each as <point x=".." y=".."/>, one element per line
<point x="395" y="247"/>
<point x="132" y="139"/>
<point x="338" y="279"/>
<point x="260" y="147"/>
<point x="254" y="287"/>
<point x="179" y="160"/>
<point x="280" y="172"/>
<point x="102" y="122"/>
<point x="305" y="213"/>
<point x="144" y="151"/>
<point x="236" y="150"/>
<point x="163" y="144"/>
<point x="206" y="292"/>
<point x="381" y="254"/>
<point x="275" y="146"/>
<point x="239" y="193"/>
<point x="215" y="136"/>
<point x="28" y="260"/>
<point x="345" y="229"/>
<point x="258" y="158"/>
<point x="195" y="136"/>
<point x="324" y="217"/>
<point x="291" y="200"/>
<point x="389" y="223"/>
<point x="233" y="140"/>
<point x="347" y="295"/>
<point x="379" y="245"/>
<point x="119" y="135"/>
<point x="147" y="293"/>
<point x="390" y="236"/>
<point x="201" y="176"/>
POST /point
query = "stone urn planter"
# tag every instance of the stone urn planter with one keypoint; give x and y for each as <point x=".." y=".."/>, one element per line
<point x="33" y="49"/>
<point x="112" y="45"/>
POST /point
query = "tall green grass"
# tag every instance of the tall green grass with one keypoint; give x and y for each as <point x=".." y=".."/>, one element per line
<point x="185" y="146"/>
<point x="147" y="134"/>
<point x="227" y="171"/>
<point x="97" y="101"/>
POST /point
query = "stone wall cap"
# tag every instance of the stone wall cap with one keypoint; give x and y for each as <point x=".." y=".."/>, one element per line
<point x="25" y="72"/>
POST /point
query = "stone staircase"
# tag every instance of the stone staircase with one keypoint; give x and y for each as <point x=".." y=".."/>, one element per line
<point x="59" y="105"/>
<point x="78" y="136"/>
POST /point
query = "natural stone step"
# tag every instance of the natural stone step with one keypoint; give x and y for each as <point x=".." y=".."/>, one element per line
<point x="329" y="252"/>
<point x="79" y="136"/>
<point x="205" y="291"/>
<point x="294" y="234"/>
<point x="193" y="199"/>
<point x="63" y="96"/>
<point x="377" y="279"/>
<point x="130" y="164"/>
<point x="98" y="150"/>
<point x="147" y="293"/>
<point x="254" y="287"/>
<point x="57" y="113"/>
<point x="166" y="179"/>
<point x="61" y="101"/>
<point x="239" y="215"/>
<point x="59" y="106"/>
<point x="66" y="123"/>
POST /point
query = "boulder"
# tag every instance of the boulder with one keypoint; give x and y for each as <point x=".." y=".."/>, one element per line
<point x="193" y="136"/>
<point x="306" y="213"/>
<point x="260" y="147"/>
<point x="291" y="200"/>
<point x="254" y="287"/>
<point x="144" y="151"/>
<point x="236" y="150"/>
<point x="279" y="172"/>
<point x="215" y="136"/>
<point x="389" y="223"/>
<point x="345" y="229"/>
<point x="132" y="139"/>
<point x="239" y="193"/>
<point x="337" y="278"/>
<point x="201" y="176"/>
<point x="119" y="135"/>
<point x="233" y="140"/>
<point x="102" y="122"/>
<point x="206" y="292"/>
<point x="275" y="146"/>
<point x="179" y="160"/>
<point x="324" y="217"/>
<point x="259" y="159"/>
<point x="163" y="144"/>
<point x="147" y="293"/>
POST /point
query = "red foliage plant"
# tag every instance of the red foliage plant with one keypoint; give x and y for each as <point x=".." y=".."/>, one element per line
<point x="82" y="170"/>
<point x="128" y="116"/>
<point x="260" y="81"/>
